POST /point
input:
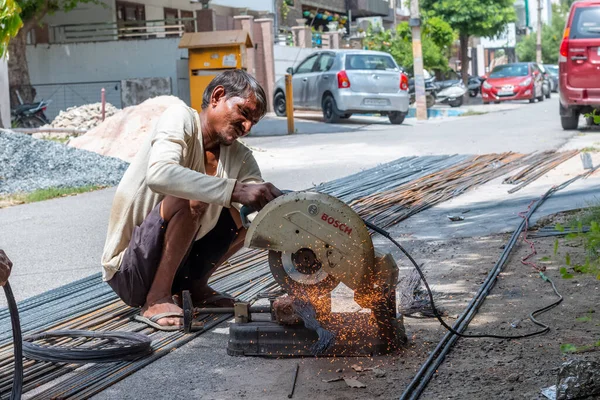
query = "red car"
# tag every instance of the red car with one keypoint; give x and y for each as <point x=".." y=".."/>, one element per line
<point x="517" y="81"/>
<point x="579" y="63"/>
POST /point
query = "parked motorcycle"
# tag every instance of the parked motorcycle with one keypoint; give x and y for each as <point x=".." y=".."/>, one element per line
<point x="30" y="115"/>
<point x="474" y="85"/>
<point x="452" y="95"/>
<point x="430" y="88"/>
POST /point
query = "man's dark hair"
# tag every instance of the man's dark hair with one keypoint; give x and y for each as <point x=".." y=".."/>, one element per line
<point x="237" y="83"/>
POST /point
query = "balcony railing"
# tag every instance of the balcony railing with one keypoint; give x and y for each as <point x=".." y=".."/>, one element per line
<point x="369" y="8"/>
<point x="107" y="31"/>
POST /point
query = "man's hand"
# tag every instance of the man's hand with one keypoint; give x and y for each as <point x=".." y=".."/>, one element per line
<point x="5" y="267"/>
<point x="198" y="208"/>
<point x="255" y="195"/>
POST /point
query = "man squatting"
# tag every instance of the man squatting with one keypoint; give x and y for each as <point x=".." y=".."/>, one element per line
<point x="175" y="215"/>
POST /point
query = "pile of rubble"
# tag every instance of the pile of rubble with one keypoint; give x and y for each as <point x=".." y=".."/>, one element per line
<point x="83" y="117"/>
<point x="122" y="134"/>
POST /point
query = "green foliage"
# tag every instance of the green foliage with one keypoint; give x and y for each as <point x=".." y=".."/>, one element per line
<point x="571" y="348"/>
<point x="10" y="23"/>
<point x="551" y="38"/>
<point x="486" y="18"/>
<point x="437" y="37"/>
<point x="594" y="116"/>
<point x="590" y="241"/>
<point x="568" y="348"/>
<point x="587" y="318"/>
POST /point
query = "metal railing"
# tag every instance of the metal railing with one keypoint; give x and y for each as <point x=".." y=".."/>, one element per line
<point x="106" y="31"/>
<point x="65" y="95"/>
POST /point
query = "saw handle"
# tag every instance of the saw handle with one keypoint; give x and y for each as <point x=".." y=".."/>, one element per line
<point x="245" y="211"/>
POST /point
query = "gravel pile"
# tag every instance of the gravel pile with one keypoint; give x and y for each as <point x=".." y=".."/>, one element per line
<point x="83" y="117"/>
<point x="28" y="164"/>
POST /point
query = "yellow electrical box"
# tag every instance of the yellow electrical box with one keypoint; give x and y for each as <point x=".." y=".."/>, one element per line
<point x="211" y="53"/>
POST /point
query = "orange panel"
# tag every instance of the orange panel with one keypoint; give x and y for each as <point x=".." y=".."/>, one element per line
<point x="197" y="85"/>
<point x="215" y="58"/>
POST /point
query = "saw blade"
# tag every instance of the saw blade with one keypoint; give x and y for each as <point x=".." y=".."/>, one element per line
<point x="294" y="275"/>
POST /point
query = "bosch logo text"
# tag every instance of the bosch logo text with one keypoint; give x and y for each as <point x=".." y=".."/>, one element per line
<point x="336" y="224"/>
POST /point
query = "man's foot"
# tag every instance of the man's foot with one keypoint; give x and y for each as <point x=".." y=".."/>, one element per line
<point x="208" y="297"/>
<point x="165" y="305"/>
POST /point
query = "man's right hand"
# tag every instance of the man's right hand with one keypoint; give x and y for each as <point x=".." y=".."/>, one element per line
<point x="254" y="195"/>
<point x="5" y="267"/>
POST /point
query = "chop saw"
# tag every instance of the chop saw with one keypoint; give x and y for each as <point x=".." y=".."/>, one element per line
<point x="315" y="242"/>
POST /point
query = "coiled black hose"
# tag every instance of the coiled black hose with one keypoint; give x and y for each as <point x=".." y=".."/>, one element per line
<point x="17" y="386"/>
<point x="123" y="346"/>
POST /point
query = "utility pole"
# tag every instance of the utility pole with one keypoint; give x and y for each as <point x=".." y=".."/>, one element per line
<point x="415" y="23"/>
<point x="538" y="46"/>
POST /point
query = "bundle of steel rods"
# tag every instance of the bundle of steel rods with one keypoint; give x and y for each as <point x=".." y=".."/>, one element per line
<point x="387" y="208"/>
<point x="384" y="195"/>
<point x="538" y="165"/>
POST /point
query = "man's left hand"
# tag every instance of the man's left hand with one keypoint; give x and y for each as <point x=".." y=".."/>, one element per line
<point x="5" y="267"/>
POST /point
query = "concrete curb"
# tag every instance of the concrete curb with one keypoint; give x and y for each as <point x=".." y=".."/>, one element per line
<point x="437" y="112"/>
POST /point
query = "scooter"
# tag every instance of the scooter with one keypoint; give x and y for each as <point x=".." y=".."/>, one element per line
<point x="430" y="89"/>
<point x="30" y="115"/>
<point x="452" y="95"/>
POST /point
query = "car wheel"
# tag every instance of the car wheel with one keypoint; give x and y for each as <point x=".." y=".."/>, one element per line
<point x="571" y="122"/>
<point x="473" y="93"/>
<point x="279" y="104"/>
<point x="485" y="103"/>
<point x="396" y="117"/>
<point x="331" y="114"/>
<point x="497" y="102"/>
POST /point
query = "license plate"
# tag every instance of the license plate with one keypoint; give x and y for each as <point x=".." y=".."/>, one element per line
<point x="376" y="102"/>
<point x="505" y="92"/>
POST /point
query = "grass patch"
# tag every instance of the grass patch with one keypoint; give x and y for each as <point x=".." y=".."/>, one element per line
<point x="472" y="112"/>
<point x="590" y="149"/>
<point x="45" y="194"/>
<point x="63" y="140"/>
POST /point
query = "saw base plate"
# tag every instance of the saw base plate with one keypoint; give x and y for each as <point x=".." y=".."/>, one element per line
<point x="356" y="336"/>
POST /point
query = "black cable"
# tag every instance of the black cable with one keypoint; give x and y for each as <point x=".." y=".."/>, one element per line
<point x="437" y="314"/>
<point x="17" y="386"/>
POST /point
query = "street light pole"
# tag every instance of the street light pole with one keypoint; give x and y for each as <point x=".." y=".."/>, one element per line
<point x="538" y="46"/>
<point x="415" y="23"/>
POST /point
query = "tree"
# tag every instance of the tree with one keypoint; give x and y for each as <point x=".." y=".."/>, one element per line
<point x="32" y="13"/>
<point x="551" y="38"/>
<point x="437" y="38"/>
<point x="483" y="18"/>
<point x="10" y="23"/>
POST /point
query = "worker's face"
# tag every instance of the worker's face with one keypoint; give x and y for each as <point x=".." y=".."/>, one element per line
<point x="233" y="117"/>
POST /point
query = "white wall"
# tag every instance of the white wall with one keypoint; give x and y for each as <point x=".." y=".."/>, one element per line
<point x="105" y="61"/>
<point x="256" y="5"/>
<point x="287" y="56"/>
<point x="4" y="94"/>
<point x="506" y="39"/>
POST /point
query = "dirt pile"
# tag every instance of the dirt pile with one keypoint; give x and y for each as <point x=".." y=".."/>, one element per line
<point x="122" y="134"/>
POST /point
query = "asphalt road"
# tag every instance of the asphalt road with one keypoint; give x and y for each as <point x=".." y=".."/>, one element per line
<point x="58" y="241"/>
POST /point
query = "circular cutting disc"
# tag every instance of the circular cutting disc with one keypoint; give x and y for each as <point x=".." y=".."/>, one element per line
<point x="299" y="271"/>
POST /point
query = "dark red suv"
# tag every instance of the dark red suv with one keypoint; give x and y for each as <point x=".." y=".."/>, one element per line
<point x="579" y="63"/>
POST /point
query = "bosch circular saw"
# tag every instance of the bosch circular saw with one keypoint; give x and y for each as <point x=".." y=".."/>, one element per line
<point x="315" y="241"/>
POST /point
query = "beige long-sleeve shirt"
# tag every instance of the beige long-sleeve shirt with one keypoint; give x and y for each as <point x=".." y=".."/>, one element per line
<point x="171" y="162"/>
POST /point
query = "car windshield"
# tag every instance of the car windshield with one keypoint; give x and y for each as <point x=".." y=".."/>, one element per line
<point x="370" y="61"/>
<point x="586" y="23"/>
<point x="508" y="70"/>
<point x="553" y="69"/>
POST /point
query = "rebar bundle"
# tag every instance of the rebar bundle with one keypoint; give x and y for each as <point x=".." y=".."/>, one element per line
<point x="384" y="195"/>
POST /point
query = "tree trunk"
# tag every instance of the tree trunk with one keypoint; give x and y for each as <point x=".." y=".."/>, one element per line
<point x="1" y="124"/>
<point x="18" y="70"/>
<point x="464" y="58"/>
